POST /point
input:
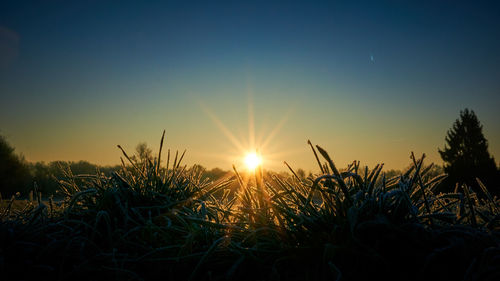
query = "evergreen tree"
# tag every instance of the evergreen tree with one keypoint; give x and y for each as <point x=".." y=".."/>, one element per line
<point x="466" y="155"/>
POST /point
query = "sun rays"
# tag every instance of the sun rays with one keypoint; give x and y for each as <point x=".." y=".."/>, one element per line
<point x="254" y="149"/>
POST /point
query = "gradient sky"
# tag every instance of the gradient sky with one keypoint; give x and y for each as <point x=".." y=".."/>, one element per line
<point x="370" y="80"/>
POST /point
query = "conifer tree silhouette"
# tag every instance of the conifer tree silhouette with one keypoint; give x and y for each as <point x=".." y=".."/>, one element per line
<point x="466" y="155"/>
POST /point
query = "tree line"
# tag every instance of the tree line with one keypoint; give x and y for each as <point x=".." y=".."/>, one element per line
<point x="18" y="176"/>
<point x="467" y="162"/>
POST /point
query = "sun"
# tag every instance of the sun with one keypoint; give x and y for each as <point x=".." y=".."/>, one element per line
<point x="252" y="160"/>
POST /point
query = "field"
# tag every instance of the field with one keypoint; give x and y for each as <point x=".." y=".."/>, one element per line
<point x="160" y="220"/>
<point x="242" y="86"/>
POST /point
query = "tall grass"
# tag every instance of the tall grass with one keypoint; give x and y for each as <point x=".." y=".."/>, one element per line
<point x="150" y="221"/>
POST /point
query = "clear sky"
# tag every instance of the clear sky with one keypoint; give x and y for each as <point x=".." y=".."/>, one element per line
<point x="369" y="81"/>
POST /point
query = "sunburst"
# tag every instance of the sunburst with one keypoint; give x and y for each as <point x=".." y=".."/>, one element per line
<point x="253" y="152"/>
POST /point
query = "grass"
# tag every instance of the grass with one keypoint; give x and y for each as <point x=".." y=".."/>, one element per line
<point x="152" y="222"/>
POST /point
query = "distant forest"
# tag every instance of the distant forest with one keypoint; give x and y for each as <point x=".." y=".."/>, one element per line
<point x="44" y="177"/>
<point x="465" y="154"/>
<point x="25" y="177"/>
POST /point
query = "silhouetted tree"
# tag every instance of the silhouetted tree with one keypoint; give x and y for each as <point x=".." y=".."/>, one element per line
<point x="466" y="155"/>
<point x="42" y="174"/>
<point x="142" y="153"/>
<point x="301" y="174"/>
<point x="14" y="173"/>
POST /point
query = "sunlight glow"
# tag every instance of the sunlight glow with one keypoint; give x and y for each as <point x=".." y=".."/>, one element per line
<point x="252" y="160"/>
<point x="246" y="145"/>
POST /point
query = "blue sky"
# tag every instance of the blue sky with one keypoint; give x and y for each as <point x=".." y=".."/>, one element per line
<point x="371" y="80"/>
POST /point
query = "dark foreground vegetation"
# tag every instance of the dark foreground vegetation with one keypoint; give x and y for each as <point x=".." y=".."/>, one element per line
<point x="156" y="219"/>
